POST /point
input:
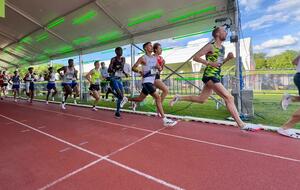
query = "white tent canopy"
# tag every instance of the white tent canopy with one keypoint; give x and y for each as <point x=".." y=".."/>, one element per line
<point x="36" y="31"/>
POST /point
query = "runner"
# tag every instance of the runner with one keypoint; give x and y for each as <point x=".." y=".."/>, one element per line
<point x="158" y="82"/>
<point x="1" y="84"/>
<point x="68" y="74"/>
<point x="286" y="129"/>
<point x="105" y="87"/>
<point x="150" y="68"/>
<point x="15" y="81"/>
<point x="51" y="87"/>
<point x="5" y="79"/>
<point x="215" y="53"/>
<point x="29" y="84"/>
<point x="116" y="70"/>
<point x="94" y="78"/>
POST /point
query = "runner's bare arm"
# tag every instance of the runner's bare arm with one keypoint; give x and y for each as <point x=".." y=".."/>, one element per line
<point x="140" y="61"/>
<point x="204" y="51"/>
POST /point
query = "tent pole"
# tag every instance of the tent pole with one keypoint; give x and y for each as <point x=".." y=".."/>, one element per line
<point x="81" y="76"/>
<point x="132" y="54"/>
<point x="238" y="72"/>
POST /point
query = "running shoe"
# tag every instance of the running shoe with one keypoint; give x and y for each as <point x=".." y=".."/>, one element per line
<point x="285" y="101"/>
<point x="169" y="122"/>
<point x="47" y="102"/>
<point x="75" y="102"/>
<point x="288" y="133"/>
<point x="117" y="115"/>
<point x="63" y="106"/>
<point x="251" y="127"/>
<point x="124" y="101"/>
<point x="95" y="109"/>
<point x="174" y="100"/>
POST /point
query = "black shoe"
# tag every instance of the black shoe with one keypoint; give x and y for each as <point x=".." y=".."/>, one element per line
<point x="117" y="115"/>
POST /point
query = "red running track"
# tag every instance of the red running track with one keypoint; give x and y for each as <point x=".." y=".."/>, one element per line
<point x="43" y="147"/>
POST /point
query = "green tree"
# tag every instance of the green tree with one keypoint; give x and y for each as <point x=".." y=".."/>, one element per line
<point x="280" y="61"/>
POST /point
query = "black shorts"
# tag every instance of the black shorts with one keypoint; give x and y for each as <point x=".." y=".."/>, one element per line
<point x="94" y="87"/>
<point x="4" y="85"/>
<point x="213" y="79"/>
<point x="157" y="76"/>
<point x="148" y="88"/>
<point x="297" y="81"/>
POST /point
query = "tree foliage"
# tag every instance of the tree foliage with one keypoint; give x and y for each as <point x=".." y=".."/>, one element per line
<point x="280" y="61"/>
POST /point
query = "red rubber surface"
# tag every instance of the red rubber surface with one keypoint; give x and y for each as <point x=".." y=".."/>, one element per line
<point x="190" y="156"/>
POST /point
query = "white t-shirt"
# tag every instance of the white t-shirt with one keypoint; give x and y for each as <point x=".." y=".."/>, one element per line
<point x="149" y="69"/>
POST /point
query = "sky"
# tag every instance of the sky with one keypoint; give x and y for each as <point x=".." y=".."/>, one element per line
<point x="273" y="26"/>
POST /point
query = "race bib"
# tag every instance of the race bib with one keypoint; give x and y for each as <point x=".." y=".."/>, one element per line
<point x="153" y="71"/>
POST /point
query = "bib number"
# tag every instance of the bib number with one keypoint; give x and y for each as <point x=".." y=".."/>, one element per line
<point x="153" y="71"/>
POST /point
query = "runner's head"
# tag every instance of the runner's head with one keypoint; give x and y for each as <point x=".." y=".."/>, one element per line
<point x="97" y="64"/>
<point x="157" y="49"/>
<point x="102" y="65"/>
<point x="119" y="51"/>
<point x="148" y="48"/>
<point x="16" y="73"/>
<point x="30" y="69"/>
<point x="219" y="33"/>
<point x="4" y="72"/>
<point x="71" y="62"/>
<point x="50" y="69"/>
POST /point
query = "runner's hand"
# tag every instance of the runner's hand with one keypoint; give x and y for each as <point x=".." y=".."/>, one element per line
<point x="230" y="56"/>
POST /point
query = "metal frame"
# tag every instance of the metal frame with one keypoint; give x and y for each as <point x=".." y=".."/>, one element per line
<point x="142" y="33"/>
<point x="238" y="57"/>
<point x="16" y="41"/>
<point x="110" y="16"/>
<point x="81" y="76"/>
<point x="7" y="62"/>
<point x="10" y="53"/>
<point x="40" y="25"/>
<point x="33" y="20"/>
<point x="132" y="54"/>
<point x="114" y="19"/>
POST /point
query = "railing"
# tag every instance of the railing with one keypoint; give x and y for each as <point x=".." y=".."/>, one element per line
<point x="177" y="85"/>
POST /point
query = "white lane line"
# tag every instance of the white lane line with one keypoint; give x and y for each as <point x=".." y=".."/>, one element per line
<point x="157" y="180"/>
<point x="70" y="174"/>
<point x="65" y="149"/>
<point x="231" y="147"/>
<point x="25" y="130"/>
<point x="88" y="118"/>
<point x="83" y="143"/>
<point x="42" y="127"/>
<point x="186" y="138"/>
